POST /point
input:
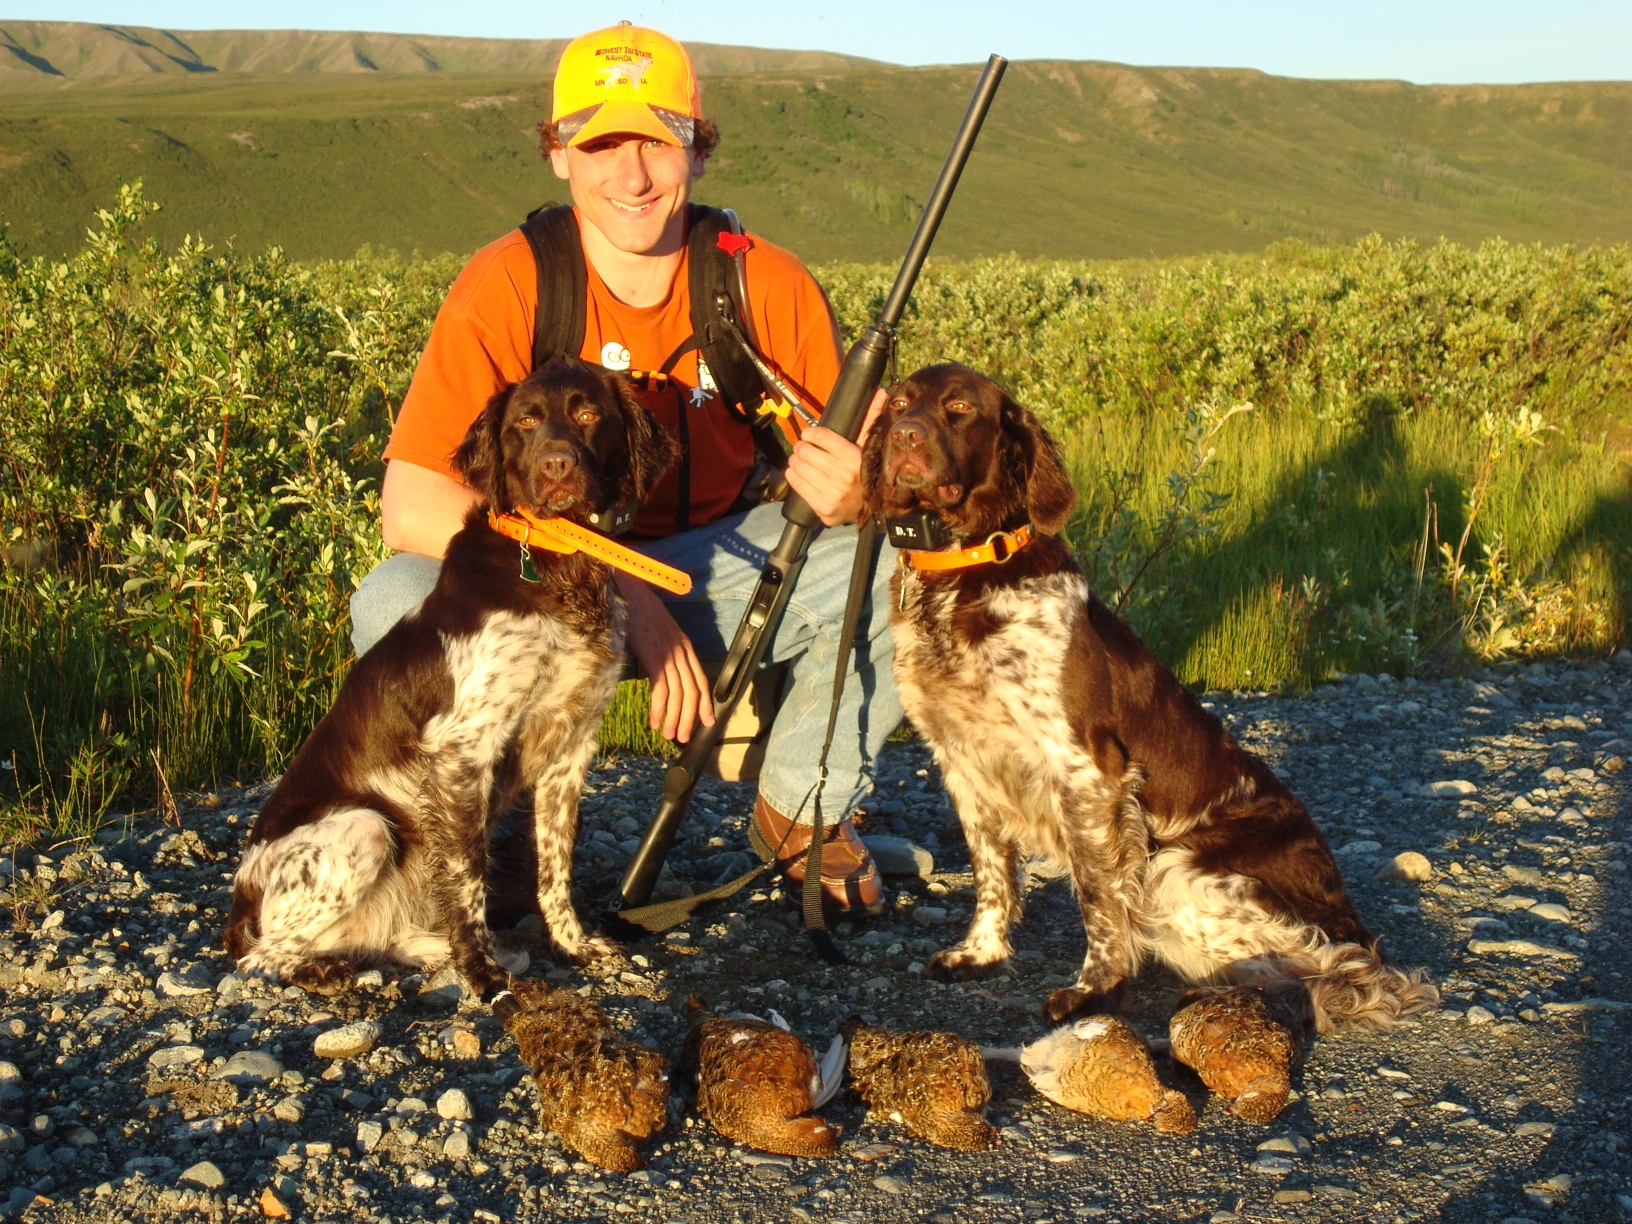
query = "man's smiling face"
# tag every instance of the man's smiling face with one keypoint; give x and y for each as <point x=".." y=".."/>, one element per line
<point x="633" y="189"/>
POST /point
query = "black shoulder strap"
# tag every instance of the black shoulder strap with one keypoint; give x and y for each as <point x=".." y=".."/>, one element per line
<point x="719" y="291"/>
<point x="563" y="283"/>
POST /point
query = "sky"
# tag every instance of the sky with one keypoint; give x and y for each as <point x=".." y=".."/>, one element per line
<point x="1428" y="42"/>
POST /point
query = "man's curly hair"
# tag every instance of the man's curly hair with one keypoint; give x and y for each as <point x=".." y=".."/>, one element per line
<point x="707" y="140"/>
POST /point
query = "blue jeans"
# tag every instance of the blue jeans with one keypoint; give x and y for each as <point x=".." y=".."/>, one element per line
<point x="724" y="559"/>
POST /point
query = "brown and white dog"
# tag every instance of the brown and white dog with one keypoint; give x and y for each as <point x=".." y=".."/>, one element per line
<point x="373" y="847"/>
<point x="1056" y="728"/>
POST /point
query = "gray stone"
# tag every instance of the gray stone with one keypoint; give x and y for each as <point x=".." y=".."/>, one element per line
<point x="1519" y="947"/>
<point x="1272" y="1166"/>
<point x="193" y="980"/>
<point x="1543" y="1130"/>
<point x="1479" y="1015"/>
<point x="369" y="1135"/>
<point x="347" y="1042"/>
<point x="455" y="1105"/>
<point x="928" y="915"/>
<point x="1291" y="1144"/>
<point x="205" y="1174"/>
<point x="38" y="1159"/>
<point x="12" y="1139"/>
<point x="1359" y="848"/>
<point x="457" y="1145"/>
<point x="890" y="1185"/>
<point x="9" y="1074"/>
<point x="250" y="1067"/>
<point x="1455" y="788"/>
<point x="175" y="1056"/>
<point x="103" y="1016"/>
<point x="1409" y="867"/>
<point x="1513" y="901"/>
<point x="899" y="856"/>
<point x="1549" y="912"/>
<point x="1523" y="875"/>
<point x="290" y="1109"/>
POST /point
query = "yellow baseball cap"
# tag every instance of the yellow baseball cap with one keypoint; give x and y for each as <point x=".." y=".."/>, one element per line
<point x="626" y="79"/>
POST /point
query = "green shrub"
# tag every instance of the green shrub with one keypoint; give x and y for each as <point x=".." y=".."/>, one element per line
<point x="1433" y="469"/>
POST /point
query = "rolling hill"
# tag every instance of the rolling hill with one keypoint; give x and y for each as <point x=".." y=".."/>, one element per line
<point x="1078" y="158"/>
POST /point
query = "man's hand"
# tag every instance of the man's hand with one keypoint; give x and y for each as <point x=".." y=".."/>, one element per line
<point x="680" y="690"/>
<point x="825" y="469"/>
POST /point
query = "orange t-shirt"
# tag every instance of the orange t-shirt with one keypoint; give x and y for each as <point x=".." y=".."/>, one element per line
<point x="483" y="340"/>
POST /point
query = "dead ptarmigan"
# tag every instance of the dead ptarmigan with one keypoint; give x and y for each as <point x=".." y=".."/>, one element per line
<point x="1244" y="1042"/>
<point x="1102" y="1066"/>
<point x="934" y="1084"/>
<point x="757" y="1083"/>
<point x="602" y="1095"/>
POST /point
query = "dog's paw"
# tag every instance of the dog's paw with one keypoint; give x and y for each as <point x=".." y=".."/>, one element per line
<point x="1073" y="1001"/>
<point x="587" y="950"/>
<point x="961" y="965"/>
<point x="324" y="975"/>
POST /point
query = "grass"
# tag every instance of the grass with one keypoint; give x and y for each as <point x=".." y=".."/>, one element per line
<point x="1077" y="160"/>
<point x="1372" y="456"/>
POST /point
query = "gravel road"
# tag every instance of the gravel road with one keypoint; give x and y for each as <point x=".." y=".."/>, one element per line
<point x="140" y="1078"/>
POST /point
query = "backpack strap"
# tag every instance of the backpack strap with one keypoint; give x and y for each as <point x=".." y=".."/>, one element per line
<point x="719" y="291"/>
<point x="563" y="283"/>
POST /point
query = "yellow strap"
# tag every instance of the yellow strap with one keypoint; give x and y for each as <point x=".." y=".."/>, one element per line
<point x="563" y="536"/>
<point x="999" y="547"/>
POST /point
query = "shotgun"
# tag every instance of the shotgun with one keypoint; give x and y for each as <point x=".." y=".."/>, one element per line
<point x="859" y="378"/>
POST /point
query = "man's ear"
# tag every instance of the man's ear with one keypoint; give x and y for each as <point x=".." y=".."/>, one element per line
<point x="651" y="452"/>
<point x="479" y="458"/>
<point x="1050" y="496"/>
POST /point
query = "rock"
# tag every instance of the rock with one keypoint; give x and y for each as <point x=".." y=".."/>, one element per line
<point x="78" y="1136"/>
<point x="455" y="1105"/>
<point x="175" y="1056"/>
<point x="1358" y="848"/>
<point x="369" y="1135"/>
<point x="899" y="856"/>
<point x="1479" y="1015"/>
<point x="369" y="979"/>
<point x="205" y="1174"/>
<point x="928" y="915"/>
<point x="12" y="1139"/>
<point x="1453" y="789"/>
<point x="1292" y="1196"/>
<point x="465" y="1044"/>
<point x="887" y="1183"/>
<point x="9" y="1074"/>
<point x="348" y="1041"/>
<point x="1519" y="947"/>
<point x="191" y="981"/>
<point x="1513" y="901"/>
<point x="1544" y="1130"/>
<point x="457" y="1145"/>
<point x="290" y="1109"/>
<point x="250" y="1067"/>
<point x="1585" y="1005"/>
<point x="1272" y="1166"/>
<point x="103" y="1016"/>
<point x="272" y="1207"/>
<point x="1290" y="1144"/>
<point x="1410" y="867"/>
<point x="1549" y="912"/>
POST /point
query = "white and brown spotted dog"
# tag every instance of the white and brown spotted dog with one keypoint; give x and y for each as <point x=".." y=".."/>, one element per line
<point x="1056" y="728"/>
<point x="374" y="846"/>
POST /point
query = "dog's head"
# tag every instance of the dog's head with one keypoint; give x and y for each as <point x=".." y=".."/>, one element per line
<point x="566" y="440"/>
<point x="953" y="442"/>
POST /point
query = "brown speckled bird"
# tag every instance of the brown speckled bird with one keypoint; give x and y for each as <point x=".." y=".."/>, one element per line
<point x="602" y="1095"/>
<point x="934" y="1084"/>
<point x="1244" y="1042"/>
<point x="1102" y="1066"/>
<point x="757" y="1084"/>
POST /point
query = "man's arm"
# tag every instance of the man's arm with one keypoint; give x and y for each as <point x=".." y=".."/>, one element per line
<point x="421" y="510"/>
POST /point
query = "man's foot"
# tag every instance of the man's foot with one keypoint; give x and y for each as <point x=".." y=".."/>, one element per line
<point x="850" y="881"/>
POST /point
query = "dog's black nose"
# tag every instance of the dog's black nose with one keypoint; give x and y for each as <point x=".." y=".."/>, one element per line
<point x="557" y="465"/>
<point x="907" y="435"/>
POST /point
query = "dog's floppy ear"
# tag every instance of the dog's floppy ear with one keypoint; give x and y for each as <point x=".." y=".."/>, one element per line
<point x="1049" y="494"/>
<point x="479" y="458"/>
<point x="651" y="452"/>
<point x="872" y="461"/>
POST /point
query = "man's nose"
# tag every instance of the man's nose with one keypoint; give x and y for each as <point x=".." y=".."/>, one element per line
<point x="557" y="465"/>
<point x="633" y="176"/>
<point x="907" y="435"/>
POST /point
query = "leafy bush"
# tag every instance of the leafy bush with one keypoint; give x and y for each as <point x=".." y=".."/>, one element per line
<point x="1434" y="468"/>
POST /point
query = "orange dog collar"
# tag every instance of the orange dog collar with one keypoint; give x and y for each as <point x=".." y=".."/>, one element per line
<point x="998" y="548"/>
<point x="563" y="536"/>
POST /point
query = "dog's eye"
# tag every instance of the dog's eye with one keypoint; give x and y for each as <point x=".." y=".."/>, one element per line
<point x="899" y="402"/>
<point x="587" y="416"/>
<point x="527" y="421"/>
<point x="958" y="406"/>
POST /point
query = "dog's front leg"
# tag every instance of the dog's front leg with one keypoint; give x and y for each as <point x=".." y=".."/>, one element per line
<point x="455" y="830"/>
<point x="985" y="949"/>
<point x="1105" y="839"/>
<point x="556" y="795"/>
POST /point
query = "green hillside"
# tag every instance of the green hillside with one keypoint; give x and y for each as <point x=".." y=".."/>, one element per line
<point x="1078" y="160"/>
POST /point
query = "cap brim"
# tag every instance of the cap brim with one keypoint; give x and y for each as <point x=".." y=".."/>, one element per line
<point x="618" y="116"/>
